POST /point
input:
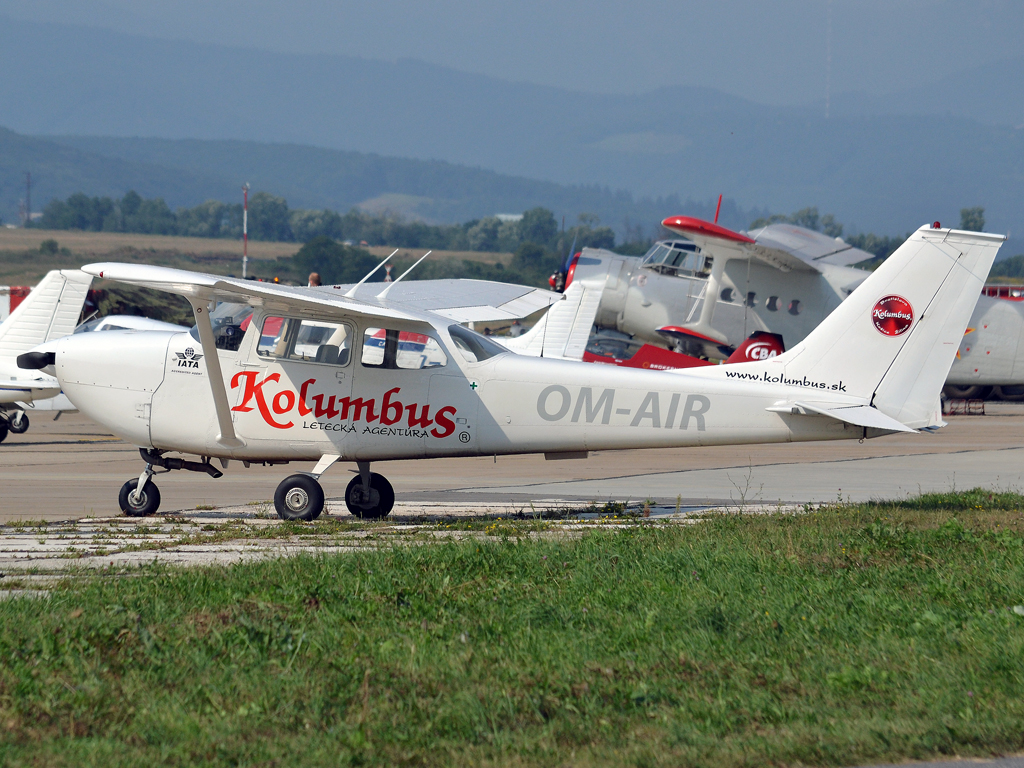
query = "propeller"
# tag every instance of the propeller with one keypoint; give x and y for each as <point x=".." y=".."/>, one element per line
<point x="561" y="279"/>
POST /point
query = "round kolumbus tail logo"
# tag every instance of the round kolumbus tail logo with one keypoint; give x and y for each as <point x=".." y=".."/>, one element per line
<point x="892" y="315"/>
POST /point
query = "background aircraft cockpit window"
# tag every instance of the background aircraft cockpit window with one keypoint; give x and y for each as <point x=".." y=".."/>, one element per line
<point x="473" y="347"/>
<point x="671" y="258"/>
<point x="388" y="348"/>
<point x="230" y="322"/>
<point x="314" y="341"/>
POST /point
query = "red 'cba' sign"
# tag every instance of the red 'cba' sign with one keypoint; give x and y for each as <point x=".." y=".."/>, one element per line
<point x="892" y="315"/>
<point x="283" y="401"/>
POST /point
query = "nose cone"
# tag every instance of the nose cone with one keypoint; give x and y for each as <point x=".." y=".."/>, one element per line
<point x="111" y="377"/>
<point x="40" y="358"/>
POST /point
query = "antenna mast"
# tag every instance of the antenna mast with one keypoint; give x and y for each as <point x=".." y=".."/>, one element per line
<point x="245" y="229"/>
<point x="28" y="198"/>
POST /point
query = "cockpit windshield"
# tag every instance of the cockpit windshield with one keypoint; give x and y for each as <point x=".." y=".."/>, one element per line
<point x="229" y="322"/>
<point x="473" y="347"/>
<point x="677" y="258"/>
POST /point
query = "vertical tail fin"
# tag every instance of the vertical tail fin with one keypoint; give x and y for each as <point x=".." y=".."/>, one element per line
<point x="50" y="311"/>
<point x="893" y="340"/>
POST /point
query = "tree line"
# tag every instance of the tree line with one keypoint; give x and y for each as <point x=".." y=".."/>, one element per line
<point x="270" y="218"/>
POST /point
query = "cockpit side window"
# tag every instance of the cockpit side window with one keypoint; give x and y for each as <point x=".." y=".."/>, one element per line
<point x="389" y="348"/>
<point x="677" y="258"/>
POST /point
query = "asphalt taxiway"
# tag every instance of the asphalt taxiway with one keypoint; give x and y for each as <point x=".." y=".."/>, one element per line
<point x="72" y="468"/>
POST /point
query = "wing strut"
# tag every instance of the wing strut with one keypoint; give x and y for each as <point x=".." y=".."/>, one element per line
<point x="220" y="396"/>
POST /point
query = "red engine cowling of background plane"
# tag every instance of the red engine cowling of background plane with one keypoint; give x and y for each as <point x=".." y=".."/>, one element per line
<point x="760" y="345"/>
<point x="562" y="280"/>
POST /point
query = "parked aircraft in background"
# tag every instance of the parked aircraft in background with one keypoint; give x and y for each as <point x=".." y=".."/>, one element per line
<point x="10" y="297"/>
<point x="874" y="367"/>
<point x="705" y="295"/>
<point x="50" y="311"/>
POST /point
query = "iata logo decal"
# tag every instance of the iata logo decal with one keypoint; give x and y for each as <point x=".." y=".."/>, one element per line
<point x="892" y="315"/>
<point x="760" y="350"/>
<point x="188" y="358"/>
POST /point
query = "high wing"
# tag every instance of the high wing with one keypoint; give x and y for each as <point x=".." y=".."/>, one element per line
<point x="460" y="300"/>
<point x="784" y="246"/>
<point x="806" y="244"/>
<point x="464" y="301"/>
<point x="201" y="287"/>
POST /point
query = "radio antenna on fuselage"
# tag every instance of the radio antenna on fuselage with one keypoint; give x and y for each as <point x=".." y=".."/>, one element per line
<point x="390" y="285"/>
<point x="351" y="292"/>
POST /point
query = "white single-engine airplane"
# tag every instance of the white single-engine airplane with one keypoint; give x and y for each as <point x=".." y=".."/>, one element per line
<point x="311" y="382"/>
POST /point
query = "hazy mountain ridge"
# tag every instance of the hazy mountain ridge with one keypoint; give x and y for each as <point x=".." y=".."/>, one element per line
<point x="187" y="172"/>
<point x="886" y="173"/>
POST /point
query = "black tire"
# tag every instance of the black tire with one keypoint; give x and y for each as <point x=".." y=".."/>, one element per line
<point x="148" y="504"/>
<point x="299" y="497"/>
<point x="969" y="392"/>
<point x="1013" y="393"/>
<point x="380" y="503"/>
<point x="19" y="423"/>
<point x="4" y="429"/>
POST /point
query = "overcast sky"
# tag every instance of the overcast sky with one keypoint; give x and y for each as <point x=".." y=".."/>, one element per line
<point x="774" y="52"/>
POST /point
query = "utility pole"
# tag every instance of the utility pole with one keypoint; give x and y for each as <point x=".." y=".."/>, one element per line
<point x="28" y="198"/>
<point x="245" y="229"/>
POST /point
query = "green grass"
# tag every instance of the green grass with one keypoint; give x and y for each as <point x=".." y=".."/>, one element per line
<point x="835" y="637"/>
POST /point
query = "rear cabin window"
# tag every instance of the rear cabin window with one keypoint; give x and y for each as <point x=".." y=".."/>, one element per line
<point x="388" y="348"/>
<point x="312" y="341"/>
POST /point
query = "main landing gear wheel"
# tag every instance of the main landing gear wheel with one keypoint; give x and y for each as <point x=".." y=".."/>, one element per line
<point x="967" y="392"/>
<point x="19" y="423"/>
<point x="4" y="429"/>
<point x="299" y="497"/>
<point x="147" y="502"/>
<point x="373" y="505"/>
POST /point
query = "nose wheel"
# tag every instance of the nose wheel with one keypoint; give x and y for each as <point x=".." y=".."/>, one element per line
<point x="299" y="497"/>
<point x="139" y="503"/>
<point x="370" y="500"/>
<point x="19" y="423"/>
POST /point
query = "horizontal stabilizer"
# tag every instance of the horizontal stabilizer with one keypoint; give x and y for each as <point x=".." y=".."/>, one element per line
<point x="858" y="415"/>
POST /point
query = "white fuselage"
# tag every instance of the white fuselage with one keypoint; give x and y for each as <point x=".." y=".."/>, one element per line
<point x="299" y="409"/>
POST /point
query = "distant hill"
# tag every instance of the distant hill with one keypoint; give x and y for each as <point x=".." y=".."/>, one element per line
<point x="187" y="172"/>
<point x="59" y="170"/>
<point x="885" y="173"/>
<point x="991" y="93"/>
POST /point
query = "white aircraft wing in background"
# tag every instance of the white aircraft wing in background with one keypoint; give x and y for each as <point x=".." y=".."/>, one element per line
<point x="783" y="246"/>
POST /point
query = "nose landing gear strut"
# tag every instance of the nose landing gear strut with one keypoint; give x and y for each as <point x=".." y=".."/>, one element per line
<point x="140" y="497"/>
